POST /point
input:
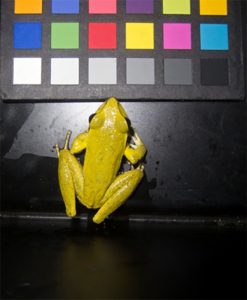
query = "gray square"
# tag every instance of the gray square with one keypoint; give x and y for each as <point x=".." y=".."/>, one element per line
<point x="102" y="70"/>
<point x="178" y="71"/>
<point x="140" y="71"/>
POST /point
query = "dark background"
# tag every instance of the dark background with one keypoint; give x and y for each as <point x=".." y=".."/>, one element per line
<point x="196" y="160"/>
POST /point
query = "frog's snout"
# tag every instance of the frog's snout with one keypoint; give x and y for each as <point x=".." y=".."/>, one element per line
<point x="114" y="105"/>
<point x="112" y="102"/>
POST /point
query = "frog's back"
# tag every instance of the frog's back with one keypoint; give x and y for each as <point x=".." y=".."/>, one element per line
<point x="106" y="144"/>
<point x="103" y="157"/>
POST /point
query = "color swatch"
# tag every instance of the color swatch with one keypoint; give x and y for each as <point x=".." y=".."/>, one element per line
<point x="176" y="7"/>
<point x="27" y="35"/>
<point x="214" y="72"/>
<point x="27" y="71"/>
<point x="213" y="7"/>
<point x="178" y="71"/>
<point x="102" y="70"/>
<point x="102" y="36"/>
<point x="139" y="36"/>
<point x="65" y="71"/>
<point x="102" y="6"/>
<point x="140" y="71"/>
<point x="130" y="49"/>
<point x="139" y="6"/>
<point x="65" y="6"/>
<point x="177" y="36"/>
<point x="214" y="36"/>
<point x="65" y="35"/>
<point x="28" y="6"/>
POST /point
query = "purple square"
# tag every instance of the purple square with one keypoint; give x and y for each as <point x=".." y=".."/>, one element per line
<point x="139" y="6"/>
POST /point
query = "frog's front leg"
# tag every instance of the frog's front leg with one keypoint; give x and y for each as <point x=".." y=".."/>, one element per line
<point x="79" y="143"/>
<point x="118" y="192"/>
<point x="135" y="151"/>
<point x="70" y="177"/>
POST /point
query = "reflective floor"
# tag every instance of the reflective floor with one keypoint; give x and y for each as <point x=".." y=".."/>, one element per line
<point x="123" y="261"/>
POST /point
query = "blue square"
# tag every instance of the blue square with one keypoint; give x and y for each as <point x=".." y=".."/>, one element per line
<point x="214" y="37"/>
<point x="65" y="6"/>
<point x="27" y="35"/>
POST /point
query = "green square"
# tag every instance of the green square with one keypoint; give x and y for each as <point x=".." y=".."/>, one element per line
<point x="176" y="7"/>
<point x="65" y="35"/>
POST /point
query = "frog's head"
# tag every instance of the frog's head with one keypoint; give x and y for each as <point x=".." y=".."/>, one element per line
<point x="112" y="105"/>
<point x="111" y="112"/>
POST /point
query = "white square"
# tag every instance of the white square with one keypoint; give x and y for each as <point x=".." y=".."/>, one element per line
<point x="65" y="71"/>
<point x="102" y="71"/>
<point x="27" y="70"/>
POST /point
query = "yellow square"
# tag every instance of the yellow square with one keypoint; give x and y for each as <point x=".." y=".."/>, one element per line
<point x="176" y="7"/>
<point x="139" y="36"/>
<point x="213" y="7"/>
<point x="28" y="6"/>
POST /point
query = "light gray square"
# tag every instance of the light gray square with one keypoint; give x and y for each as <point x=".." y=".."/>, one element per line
<point x="140" y="71"/>
<point x="102" y="70"/>
<point x="178" y="71"/>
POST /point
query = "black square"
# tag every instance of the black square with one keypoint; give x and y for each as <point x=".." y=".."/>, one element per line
<point x="214" y="72"/>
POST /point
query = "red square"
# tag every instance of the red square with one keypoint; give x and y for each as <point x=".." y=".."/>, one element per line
<point x="102" y="36"/>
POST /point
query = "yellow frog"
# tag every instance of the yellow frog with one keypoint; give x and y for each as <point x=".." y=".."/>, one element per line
<point x="97" y="184"/>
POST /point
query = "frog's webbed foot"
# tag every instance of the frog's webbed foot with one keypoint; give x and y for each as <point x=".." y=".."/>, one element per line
<point x="118" y="192"/>
<point x="135" y="150"/>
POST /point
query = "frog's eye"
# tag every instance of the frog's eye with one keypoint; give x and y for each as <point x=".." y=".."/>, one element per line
<point x="97" y="121"/>
<point x="122" y="125"/>
<point x="91" y="117"/>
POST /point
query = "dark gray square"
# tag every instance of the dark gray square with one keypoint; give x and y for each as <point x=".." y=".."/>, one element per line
<point x="178" y="71"/>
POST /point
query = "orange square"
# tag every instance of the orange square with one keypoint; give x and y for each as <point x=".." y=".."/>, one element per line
<point x="213" y="7"/>
<point x="28" y="6"/>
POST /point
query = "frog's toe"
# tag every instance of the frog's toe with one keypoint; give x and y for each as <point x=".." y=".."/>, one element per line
<point x="98" y="219"/>
<point x="70" y="213"/>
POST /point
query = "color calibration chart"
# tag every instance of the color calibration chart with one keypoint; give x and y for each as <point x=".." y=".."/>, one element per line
<point x="130" y="49"/>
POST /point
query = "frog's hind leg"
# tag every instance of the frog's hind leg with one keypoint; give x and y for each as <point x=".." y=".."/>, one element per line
<point x="70" y="177"/>
<point x="118" y="192"/>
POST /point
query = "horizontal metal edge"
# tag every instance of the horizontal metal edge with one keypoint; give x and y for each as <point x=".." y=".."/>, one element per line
<point x="150" y="219"/>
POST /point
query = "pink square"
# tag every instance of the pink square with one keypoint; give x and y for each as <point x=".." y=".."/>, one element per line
<point x="102" y="7"/>
<point x="177" y="36"/>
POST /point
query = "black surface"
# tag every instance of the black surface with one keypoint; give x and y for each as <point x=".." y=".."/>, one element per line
<point x="196" y="160"/>
<point x="159" y="91"/>
<point x="42" y="260"/>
